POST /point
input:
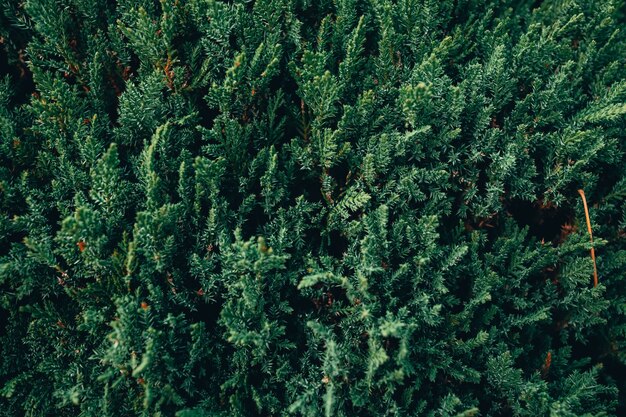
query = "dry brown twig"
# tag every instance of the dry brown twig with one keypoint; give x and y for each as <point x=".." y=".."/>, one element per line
<point x="593" y="254"/>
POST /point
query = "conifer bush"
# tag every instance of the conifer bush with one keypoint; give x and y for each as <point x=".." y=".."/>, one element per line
<point x="312" y="208"/>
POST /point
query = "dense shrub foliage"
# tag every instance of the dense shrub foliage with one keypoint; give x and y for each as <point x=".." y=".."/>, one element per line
<point x="312" y="208"/>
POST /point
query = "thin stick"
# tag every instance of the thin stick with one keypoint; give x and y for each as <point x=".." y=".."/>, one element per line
<point x="593" y="254"/>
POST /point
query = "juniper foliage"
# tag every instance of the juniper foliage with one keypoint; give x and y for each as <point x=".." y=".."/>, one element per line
<point x="312" y="208"/>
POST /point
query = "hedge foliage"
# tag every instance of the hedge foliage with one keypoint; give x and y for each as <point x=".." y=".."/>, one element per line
<point x="312" y="208"/>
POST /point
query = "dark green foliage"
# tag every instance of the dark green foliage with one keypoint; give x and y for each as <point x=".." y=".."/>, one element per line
<point x="312" y="208"/>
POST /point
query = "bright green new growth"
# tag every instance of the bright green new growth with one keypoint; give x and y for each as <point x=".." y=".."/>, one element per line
<point x="312" y="208"/>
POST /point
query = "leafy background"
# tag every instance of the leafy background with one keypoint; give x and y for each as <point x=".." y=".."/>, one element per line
<point x="289" y="207"/>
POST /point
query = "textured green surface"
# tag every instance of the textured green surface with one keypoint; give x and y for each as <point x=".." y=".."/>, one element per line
<point x="312" y="208"/>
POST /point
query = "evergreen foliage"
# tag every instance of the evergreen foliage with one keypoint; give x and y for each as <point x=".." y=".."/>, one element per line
<point x="312" y="208"/>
